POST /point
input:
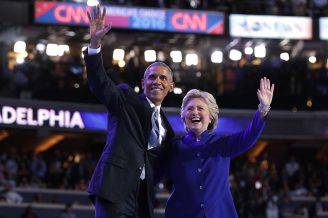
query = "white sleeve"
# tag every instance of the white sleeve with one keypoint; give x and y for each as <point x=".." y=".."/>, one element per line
<point x="93" y="51"/>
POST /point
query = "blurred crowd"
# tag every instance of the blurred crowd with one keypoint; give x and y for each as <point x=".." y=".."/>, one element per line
<point x="37" y="170"/>
<point x="261" y="187"/>
<point x="266" y="188"/>
<point x="65" y="80"/>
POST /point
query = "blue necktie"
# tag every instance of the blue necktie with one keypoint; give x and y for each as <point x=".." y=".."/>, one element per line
<point x="154" y="134"/>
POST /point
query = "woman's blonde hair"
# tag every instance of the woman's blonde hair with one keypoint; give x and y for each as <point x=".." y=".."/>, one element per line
<point x="210" y="102"/>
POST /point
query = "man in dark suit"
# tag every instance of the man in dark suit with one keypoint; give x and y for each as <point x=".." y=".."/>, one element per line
<point x="123" y="180"/>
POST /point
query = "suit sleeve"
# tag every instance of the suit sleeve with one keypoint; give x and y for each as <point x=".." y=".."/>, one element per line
<point x="238" y="143"/>
<point x="101" y="85"/>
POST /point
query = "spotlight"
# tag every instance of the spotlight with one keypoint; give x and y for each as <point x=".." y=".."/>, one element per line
<point x="40" y="47"/>
<point x="92" y="3"/>
<point x="176" y="56"/>
<point x="20" y="60"/>
<point x="284" y="56"/>
<point x="235" y="55"/>
<point x="260" y="51"/>
<point x="63" y="49"/>
<point x="217" y="57"/>
<point x="312" y="59"/>
<point x="248" y="50"/>
<point x="137" y="89"/>
<point x="19" y="46"/>
<point x="150" y="55"/>
<point x="121" y="63"/>
<point x="52" y="49"/>
<point x="191" y="59"/>
<point x="160" y="56"/>
<point x="177" y="91"/>
<point x="118" y="54"/>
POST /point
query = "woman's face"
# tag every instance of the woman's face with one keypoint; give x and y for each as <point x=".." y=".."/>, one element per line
<point x="196" y="116"/>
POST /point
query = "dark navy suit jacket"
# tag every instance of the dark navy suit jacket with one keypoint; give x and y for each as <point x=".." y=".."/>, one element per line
<point x="129" y="124"/>
<point x="199" y="171"/>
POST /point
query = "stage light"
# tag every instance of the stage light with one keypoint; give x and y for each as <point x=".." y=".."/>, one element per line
<point x="176" y="56"/>
<point x="19" y="46"/>
<point x="160" y="56"/>
<point x="260" y="51"/>
<point x="150" y="55"/>
<point x="20" y="60"/>
<point x="217" y="57"/>
<point x="235" y="55"/>
<point x="76" y="85"/>
<point x="92" y="3"/>
<point x="312" y="59"/>
<point x="137" y="89"/>
<point x="118" y="54"/>
<point x="52" y="49"/>
<point x="121" y="63"/>
<point x="284" y="56"/>
<point x="248" y="50"/>
<point x="63" y="49"/>
<point x="23" y="54"/>
<point x="40" y="47"/>
<point x="191" y="59"/>
<point x="177" y="91"/>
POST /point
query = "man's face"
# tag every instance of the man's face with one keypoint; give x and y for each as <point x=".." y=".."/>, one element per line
<point x="157" y="82"/>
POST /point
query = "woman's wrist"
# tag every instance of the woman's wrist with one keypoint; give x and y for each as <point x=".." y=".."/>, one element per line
<point x="264" y="109"/>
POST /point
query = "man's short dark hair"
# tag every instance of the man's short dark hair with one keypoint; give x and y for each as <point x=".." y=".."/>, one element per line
<point x="159" y="64"/>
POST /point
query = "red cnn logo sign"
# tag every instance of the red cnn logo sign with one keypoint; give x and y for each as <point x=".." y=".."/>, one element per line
<point x="69" y="14"/>
<point x="185" y="21"/>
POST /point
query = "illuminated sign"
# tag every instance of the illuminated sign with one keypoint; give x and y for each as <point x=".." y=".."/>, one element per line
<point x="274" y="27"/>
<point x="323" y="28"/>
<point x="133" y="18"/>
<point x="40" y="117"/>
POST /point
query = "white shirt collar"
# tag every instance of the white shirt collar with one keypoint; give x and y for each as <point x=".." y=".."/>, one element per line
<point x="153" y="105"/>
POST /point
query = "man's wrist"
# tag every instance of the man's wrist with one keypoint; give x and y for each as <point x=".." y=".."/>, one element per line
<point x="95" y="44"/>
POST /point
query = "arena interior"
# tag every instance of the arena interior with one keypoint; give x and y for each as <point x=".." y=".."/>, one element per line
<point x="53" y="129"/>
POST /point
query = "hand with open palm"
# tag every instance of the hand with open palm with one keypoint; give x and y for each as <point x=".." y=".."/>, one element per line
<point x="98" y="29"/>
<point x="265" y="93"/>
